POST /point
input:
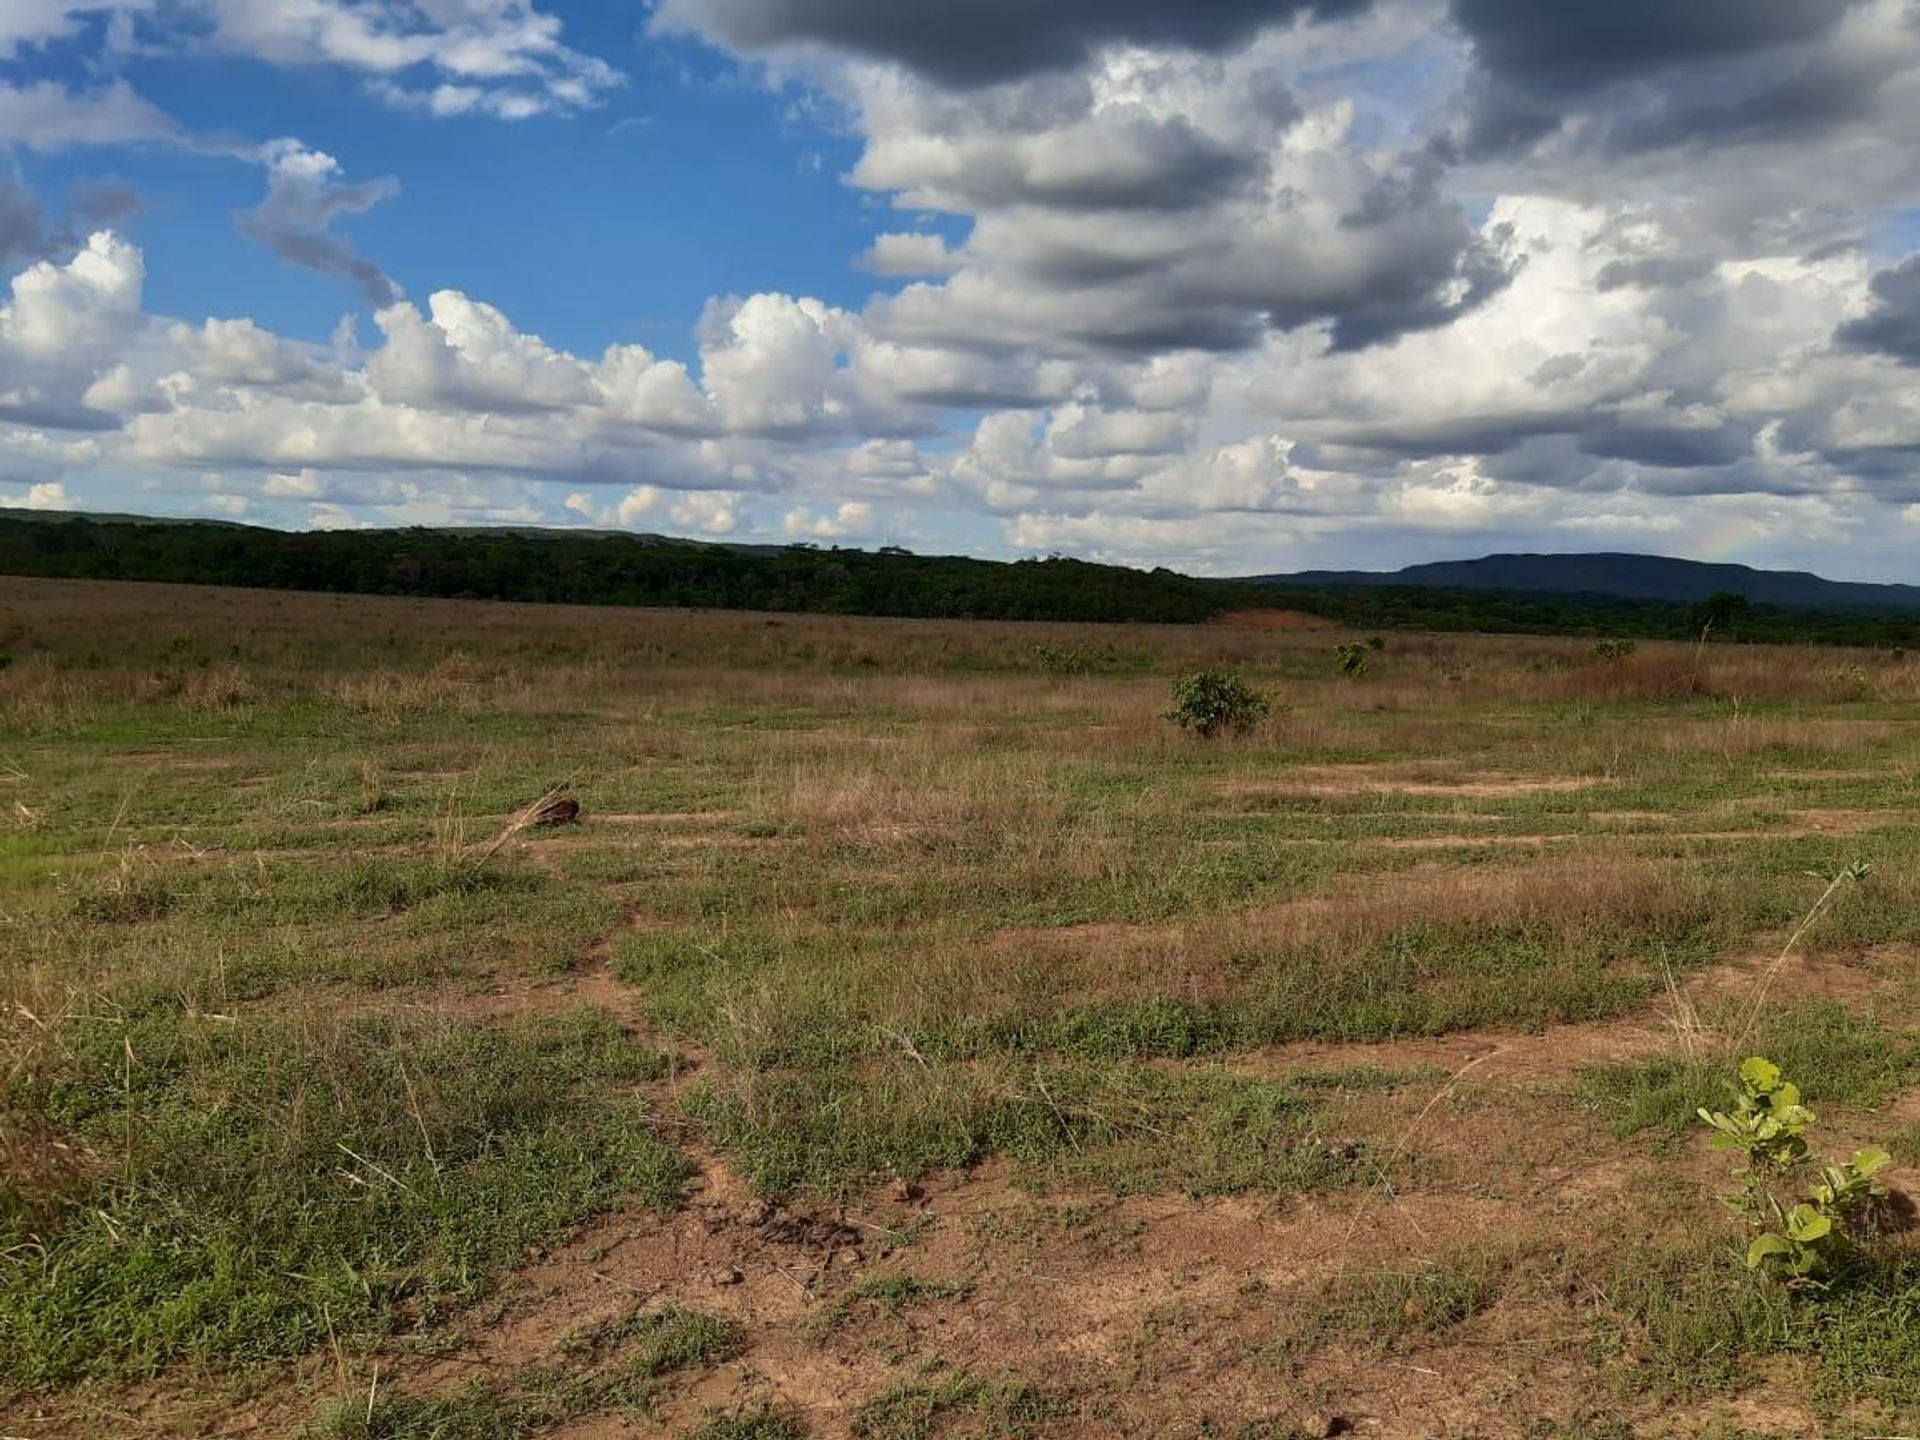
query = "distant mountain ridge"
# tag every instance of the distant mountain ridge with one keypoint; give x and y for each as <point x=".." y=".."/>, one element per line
<point x="1631" y="577"/>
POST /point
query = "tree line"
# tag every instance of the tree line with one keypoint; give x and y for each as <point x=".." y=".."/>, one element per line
<point x="608" y="569"/>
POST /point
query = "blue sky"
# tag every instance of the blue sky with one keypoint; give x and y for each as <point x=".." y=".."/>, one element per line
<point x="1243" y="287"/>
<point x="684" y="182"/>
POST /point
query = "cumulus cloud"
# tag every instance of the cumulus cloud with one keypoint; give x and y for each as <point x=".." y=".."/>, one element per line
<point x="1164" y="201"/>
<point x="47" y="495"/>
<point x="1234" y="286"/>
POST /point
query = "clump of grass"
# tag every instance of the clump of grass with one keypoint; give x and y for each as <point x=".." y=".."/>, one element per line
<point x="1398" y="1309"/>
<point x="1129" y="1127"/>
<point x="131" y="895"/>
<point x="763" y="1422"/>
<point x="1835" y="1054"/>
<point x="267" y="1183"/>
<point x="1007" y="1408"/>
<point x="653" y="1345"/>
<point x="889" y="1293"/>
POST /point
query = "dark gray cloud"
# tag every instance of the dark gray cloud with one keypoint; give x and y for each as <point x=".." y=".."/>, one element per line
<point x="1135" y="162"/>
<point x="1566" y="47"/>
<point x="1654" y="272"/>
<point x="21" y="222"/>
<point x="976" y="42"/>
<point x="1893" y="325"/>
<point x="304" y="198"/>
<point x="26" y="233"/>
<point x="100" y="202"/>
<point x="1478" y="272"/>
<point x="1696" y="69"/>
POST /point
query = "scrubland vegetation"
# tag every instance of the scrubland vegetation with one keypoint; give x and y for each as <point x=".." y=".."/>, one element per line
<point x="922" y="1034"/>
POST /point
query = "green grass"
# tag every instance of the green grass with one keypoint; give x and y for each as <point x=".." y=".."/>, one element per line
<point x="251" y="946"/>
<point x="760" y="1423"/>
<point x="1001" y="1409"/>
<point x="1834" y="1055"/>
<point x="1127" y="1127"/>
<point x="888" y="1293"/>
<point x="262" y="1184"/>
<point x="1396" y="1310"/>
<point x="634" y="1359"/>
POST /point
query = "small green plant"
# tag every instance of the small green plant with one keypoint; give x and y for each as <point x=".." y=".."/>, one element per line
<point x="761" y="1423"/>
<point x="1084" y="659"/>
<point x="1352" y="659"/>
<point x="1215" y="702"/>
<point x="1799" y="1243"/>
<point x="1612" y="650"/>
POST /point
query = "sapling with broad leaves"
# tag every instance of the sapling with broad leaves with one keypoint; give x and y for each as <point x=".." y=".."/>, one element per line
<point x="1799" y="1242"/>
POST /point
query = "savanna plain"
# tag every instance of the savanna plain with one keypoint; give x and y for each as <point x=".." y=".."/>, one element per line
<point x="917" y="1034"/>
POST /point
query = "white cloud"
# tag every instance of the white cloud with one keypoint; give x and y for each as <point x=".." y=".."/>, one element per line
<point x="851" y="518"/>
<point x="898" y="253"/>
<point x="45" y="115"/>
<point x="47" y="495"/>
<point x="503" y="57"/>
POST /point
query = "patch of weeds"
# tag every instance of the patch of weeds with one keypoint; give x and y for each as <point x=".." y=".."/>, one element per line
<point x="1581" y="1427"/>
<point x="1838" y="1056"/>
<point x="366" y="885"/>
<point x="1007" y="1408"/>
<point x="656" y="1344"/>
<point x="1131" y="1127"/>
<point x="1364" y="1079"/>
<point x="271" y="1181"/>
<point x="681" y="975"/>
<point x="1087" y="658"/>
<point x="652" y="1343"/>
<point x="125" y="898"/>
<point x="888" y="1294"/>
<point x="1395" y="1310"/>
<point x="1687" y="1319"/>
<point x="474" y="1414"/>
<point x="764" y="1422"/>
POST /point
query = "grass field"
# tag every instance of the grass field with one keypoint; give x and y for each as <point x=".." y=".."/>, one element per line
<point x="919" y="1035"/>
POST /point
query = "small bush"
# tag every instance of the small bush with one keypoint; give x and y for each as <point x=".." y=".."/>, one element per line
<point x="1352" y="659"/>
<point x="1610" y="650"/>
<point x="1215" y="702"/>
<point x="1801" y="1242"/>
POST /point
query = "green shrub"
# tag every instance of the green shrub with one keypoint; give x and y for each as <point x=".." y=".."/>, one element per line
<point x="1352" y="659"/>
<point x="1803" y="1241"/>
<point x="1609" y="650"/>
<point x="1215" y="702"/>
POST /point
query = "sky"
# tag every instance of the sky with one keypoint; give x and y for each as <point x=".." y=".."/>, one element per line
<point x="1234" y="287"/>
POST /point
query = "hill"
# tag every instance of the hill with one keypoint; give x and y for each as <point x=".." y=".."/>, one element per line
<point x="1630" y="577"/>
